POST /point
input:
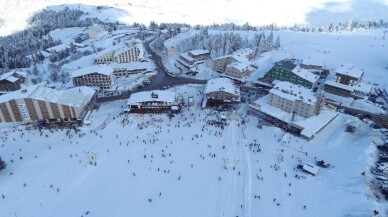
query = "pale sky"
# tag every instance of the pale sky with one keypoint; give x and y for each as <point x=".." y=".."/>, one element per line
<point x="259" y="12"/>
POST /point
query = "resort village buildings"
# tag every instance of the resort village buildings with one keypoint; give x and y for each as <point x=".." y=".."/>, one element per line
<point x="220" y="91"/>
<point x="157" y="101"/>
<point x="99" y="77"/>
<point x="12" y="80"/>
<point x="40" y="103"/>
<point x="288" y="70"/>
<point x="192" y="58"/>
<point x="296" y="99"/>
<point x="348" y="83"/>
<point x="133" y="51"/>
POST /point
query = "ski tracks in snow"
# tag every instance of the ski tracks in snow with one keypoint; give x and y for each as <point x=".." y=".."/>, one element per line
<point x="236" y="183"/>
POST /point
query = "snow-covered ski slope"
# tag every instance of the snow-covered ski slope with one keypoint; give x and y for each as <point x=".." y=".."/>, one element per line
<point x="151" y="166"/>
<point x="314" y="12"/>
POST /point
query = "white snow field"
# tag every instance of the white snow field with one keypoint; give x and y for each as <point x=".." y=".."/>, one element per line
<point x="193" y="12"/>
<point x="148" y="165"/>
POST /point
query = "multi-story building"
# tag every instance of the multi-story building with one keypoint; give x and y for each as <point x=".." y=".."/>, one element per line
<point x="192" y="58"/>
<point x="347" y="83"/>
<point x="99" y="77"/>
<point x="220" y="91"/>
<point x="133" y="52"/>
<point x="11" y="81"/>
<point x="40" y="103"/>
<point x="243" y="55"/>
<point x="238" y="70"/>
<point x="287" y="70"/>
<point x="296" y="99"/>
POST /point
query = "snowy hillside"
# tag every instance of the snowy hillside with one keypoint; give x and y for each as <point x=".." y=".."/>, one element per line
<point x="315" y="12"/>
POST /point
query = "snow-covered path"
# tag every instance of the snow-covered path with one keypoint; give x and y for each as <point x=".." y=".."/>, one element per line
<point x="236" y="180"/>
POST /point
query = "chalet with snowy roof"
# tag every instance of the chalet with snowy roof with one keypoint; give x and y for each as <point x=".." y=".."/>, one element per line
<point x="192" y="58"/>
<point x="288" y="70"/>
<point x="221" y="91"/>
<point x="296" y="99"/>
<point x="238" y="71"/>
<point x="12" y="81"/>
<point x="348" y="74"/>
<point x="348" y="83"/>
<point x="99" y="77"/>
<point x="243" y="55"/>
<point x="156" y="101"/>
<point x="43" y="104"/>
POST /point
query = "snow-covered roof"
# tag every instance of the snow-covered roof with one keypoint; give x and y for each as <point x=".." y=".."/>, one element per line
<point x="199" y="52"/>
<point x="286" y="64"/>
<point x="12" y="79"/>
<point x="363" y="87"/>
<point x="58" y="48"/>
<point x="18" y="94"/>
<point x="311" y="168"/>
<point x="184" y="29"/>
<point x="121" y="51"/>
<point x="155" y="95"/>
<point x="74" y="97"/>
<point x="186" y="56"/>
<point x="305" y="74"/>
<point x="241" y="66"/>
<point x="312" y="62"/>
<point x="238" y="55"/>
<point x="45" y="54"/>
<point x="350" y="70"/>
<point x="222" y="84"/>
<point x="169" y="43"/>
<point x="105" y="52"/>
<point x="294" y="92"/>
<point x="164" y="31"/>
<point x="100" y="69"/>
<point x="339" y="85"/>
<point x="315" y="123"/>
<point x="9" y="76"/>
<point x="131" y="44"/>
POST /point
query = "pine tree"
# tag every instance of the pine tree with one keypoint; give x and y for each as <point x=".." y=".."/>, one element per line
<point x="153" y="26"/>
<point x="269" y="42"/>
<point x="277" y="43"/>
<point x="262" y="46"/>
